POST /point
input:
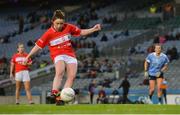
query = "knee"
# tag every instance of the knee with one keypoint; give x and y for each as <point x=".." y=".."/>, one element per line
<point x="71" y="77"/>
<point x="159" y="89"/>
<point x="27" y="89"/>
<point x="151" y="89"/>
<point x="59" y="74"/>
<point x="18" y="88"/>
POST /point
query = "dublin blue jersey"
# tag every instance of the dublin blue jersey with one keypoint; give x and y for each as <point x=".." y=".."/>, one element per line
<point x="156" y="63"/>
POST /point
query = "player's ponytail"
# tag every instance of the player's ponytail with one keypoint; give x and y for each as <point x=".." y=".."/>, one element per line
<point x="58" y="14"/>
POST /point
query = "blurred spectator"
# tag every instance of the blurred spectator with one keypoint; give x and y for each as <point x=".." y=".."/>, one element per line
<point x="4" y="39"/>
<point x="116" y="65"/>
<point x="92" y="73"/>
<point x="104" y="67"/>
<point x="168" y="53"/>
<point x="139" y="50"/>
<point x="95" y="52"/>
<point x="4" y="59"/>
<point x="30" y="43"/>
<point x="104" y="38"/>
<point x="110" y="20"/>
<point x="83" y="22"/>
<point x="172" y="53"/>
<point x="156" y="39"/>
<point x="150" y="49"/>
<point x="21" y="24"/>
<point x="91" y="89"/>
<point x="126" y="32"/>
<point x="2" y="92"/>
<point x="107" y="83"/>
<point x="129" y="62"/>
<point x="153" y="9"/>
<point x="102" y="97"/>
<point x="164" y="88"/>
<point x="115" y="92"/>
<point x="93" y="15"/>
<point x="114" y="95"/>
<point x="44" y="19"/>
<point x="168" y="11"/>
<point x="3" y="65"/>
<point x="43" y="64"/>
<point x="162" y="39"/>
<point x="132" y="50"/>
<point x="125" y="85"/>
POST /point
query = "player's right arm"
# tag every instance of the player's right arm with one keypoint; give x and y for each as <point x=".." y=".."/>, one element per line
<point x="41" y="43"/>
<point x="146" y="68"/>
<point x="165" y="67"/>
<point x="35" y="49"/>
<point x="146" y="65"/>
<point x="12" y="67"/>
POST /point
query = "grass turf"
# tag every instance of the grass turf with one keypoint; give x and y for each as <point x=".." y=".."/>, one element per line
<point x="90" y="109"/>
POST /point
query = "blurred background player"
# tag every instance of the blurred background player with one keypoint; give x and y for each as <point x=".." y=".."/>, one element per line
<point x="57" y="37"/>
<point x="164" y="90"/>
<point x="155" y="64"/>
<point x="20" y="71"/>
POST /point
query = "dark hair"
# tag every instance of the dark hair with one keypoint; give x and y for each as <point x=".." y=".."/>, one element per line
<point x="58" y="14"/>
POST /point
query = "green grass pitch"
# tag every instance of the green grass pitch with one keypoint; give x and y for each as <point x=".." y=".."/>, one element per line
<point x="90" y="109"/>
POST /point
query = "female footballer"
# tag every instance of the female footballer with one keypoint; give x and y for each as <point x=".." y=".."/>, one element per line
<point x="156" y="63"/>
<point x="20" y="71"/>
<point x="57" y="38"/>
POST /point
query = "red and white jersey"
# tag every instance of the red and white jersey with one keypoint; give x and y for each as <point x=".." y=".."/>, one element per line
<point x="19" y="58"/>
<point x="59" y="43"/>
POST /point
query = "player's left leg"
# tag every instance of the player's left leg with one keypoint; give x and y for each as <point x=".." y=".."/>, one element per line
<point x="151" y="88"/>
<point x="27" y="86"/>
<point x="70" y="64"/>
<point x="165" y="97"/>
<point x="19" y="79"/>
<point x="159" y="91"/>
<point x="59" y="73"/>
<point x="18" y="87"/>
<point x="28" y="91"/>
<point x="71" y="69"/>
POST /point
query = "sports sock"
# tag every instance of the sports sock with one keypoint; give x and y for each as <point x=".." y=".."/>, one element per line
<point x="159" y="98"/>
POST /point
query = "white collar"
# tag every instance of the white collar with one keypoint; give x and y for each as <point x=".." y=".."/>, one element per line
<point x="154" y="53"/>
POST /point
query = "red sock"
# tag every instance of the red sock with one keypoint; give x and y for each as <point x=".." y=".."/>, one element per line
<point x="54" y="92"/>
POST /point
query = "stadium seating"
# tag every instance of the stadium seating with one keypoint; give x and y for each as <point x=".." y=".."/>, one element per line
<point x="116" y="31"/>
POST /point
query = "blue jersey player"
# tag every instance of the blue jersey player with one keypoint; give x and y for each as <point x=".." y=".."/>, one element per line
<point x="156" y="63"/>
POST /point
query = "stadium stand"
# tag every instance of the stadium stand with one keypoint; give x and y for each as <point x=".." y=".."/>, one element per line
<point x="124" y="28"/>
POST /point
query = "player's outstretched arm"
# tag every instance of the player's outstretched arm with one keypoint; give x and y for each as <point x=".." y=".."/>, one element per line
<point x="33" y="51"/>
<point x="85" y="32"/>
